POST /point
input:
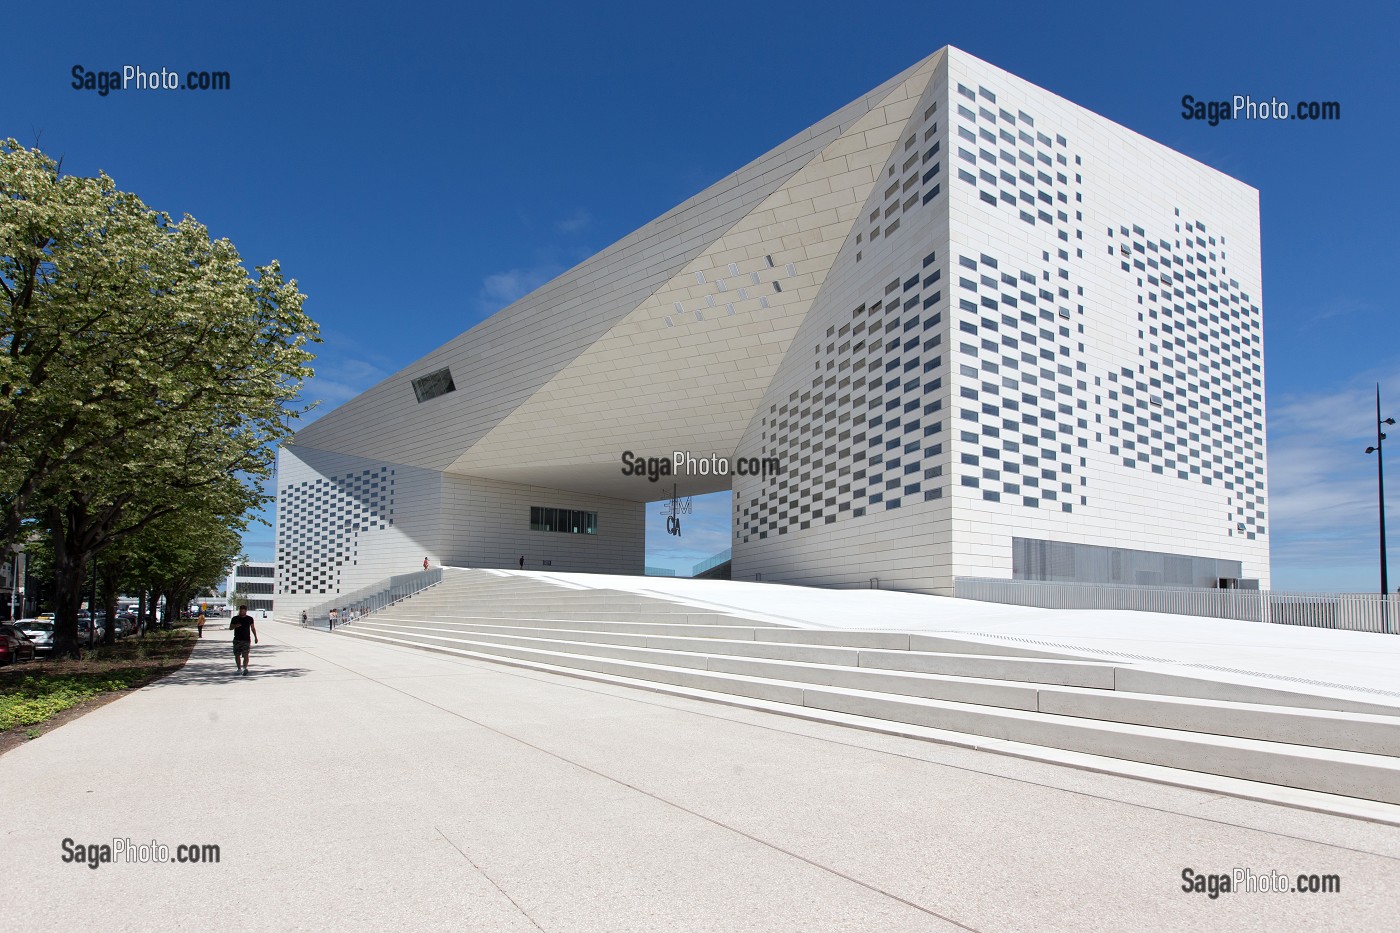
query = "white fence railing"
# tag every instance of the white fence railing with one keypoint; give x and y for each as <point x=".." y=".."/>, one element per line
<point x="1357" y="612"/>
<point x="351" y="606"/>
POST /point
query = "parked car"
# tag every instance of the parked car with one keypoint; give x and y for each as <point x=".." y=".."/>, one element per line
<point x="84" y="624"/>
<point x="14" y="645"/>
<point x="40" y="632"/>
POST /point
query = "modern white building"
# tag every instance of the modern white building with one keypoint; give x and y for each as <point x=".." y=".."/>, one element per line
<point x="255" y="582"/>
<point x="969" y="328"/>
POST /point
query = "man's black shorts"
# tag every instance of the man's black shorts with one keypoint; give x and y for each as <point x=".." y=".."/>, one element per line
<point x="240" y="648"/>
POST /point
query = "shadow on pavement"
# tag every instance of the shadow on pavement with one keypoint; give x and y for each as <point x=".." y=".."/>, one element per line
<point x="215" y="665"/>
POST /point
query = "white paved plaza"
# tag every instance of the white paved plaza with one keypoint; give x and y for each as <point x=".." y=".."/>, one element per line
<point x="351" y="785"/>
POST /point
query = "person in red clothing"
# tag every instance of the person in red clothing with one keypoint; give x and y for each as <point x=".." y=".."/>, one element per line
<point x="425" y="563"/>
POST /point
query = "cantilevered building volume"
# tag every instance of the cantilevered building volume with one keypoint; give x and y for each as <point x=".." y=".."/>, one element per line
<point x="983" y="331"/>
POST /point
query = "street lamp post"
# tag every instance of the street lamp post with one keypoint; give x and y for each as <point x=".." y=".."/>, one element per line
<point x="92" y="605"/>
<point x="1380" y="484"/>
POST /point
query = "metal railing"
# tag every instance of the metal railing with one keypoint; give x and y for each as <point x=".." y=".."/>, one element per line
<point x="710" y="563"/>
<point x="356" y="605"/>
<point x="1357" y="612"/>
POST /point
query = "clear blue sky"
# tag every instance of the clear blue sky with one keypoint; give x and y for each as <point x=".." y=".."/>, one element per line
<point x="418" y="166"/>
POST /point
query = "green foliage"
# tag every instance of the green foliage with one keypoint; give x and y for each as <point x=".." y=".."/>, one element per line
<point x="144" y="373"/>
<point x="138" y="351"/>
<point x="35" y="697"/>
<point x="179" y="557"/>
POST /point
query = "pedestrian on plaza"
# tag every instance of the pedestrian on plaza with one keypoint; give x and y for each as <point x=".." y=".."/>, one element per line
<point x="522" y="561"/>
<point x="425" y="563"/>
<point x="303" y="617"/>
<point x="200" y="623"/>
<point x="245" y="632"/>
<point x="330" y="618"/>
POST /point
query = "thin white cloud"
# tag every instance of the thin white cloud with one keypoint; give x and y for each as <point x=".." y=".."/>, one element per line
<point x="1322" y="487"/>
<point x="575" y="222"/>
<point x="502" y="288"/>
<point x="337" y="380"/>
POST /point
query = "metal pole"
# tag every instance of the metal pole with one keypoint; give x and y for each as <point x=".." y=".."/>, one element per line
<point x="1380" y="487"/>
<point x="92" y="604"/>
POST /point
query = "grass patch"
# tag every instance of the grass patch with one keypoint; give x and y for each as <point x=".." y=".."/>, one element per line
<point x="33" y="693"/>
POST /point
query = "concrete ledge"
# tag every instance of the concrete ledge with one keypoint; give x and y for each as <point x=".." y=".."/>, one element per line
<point x="947" y="643"/>
<point x="1139" y="680"/>
<point x="1350" y="774"/>
<point x="1034" y="670"/>
<point x="1356" y="732"/>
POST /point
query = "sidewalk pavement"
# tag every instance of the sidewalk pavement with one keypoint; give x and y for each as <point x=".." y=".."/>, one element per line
<point x="353" y="786"/>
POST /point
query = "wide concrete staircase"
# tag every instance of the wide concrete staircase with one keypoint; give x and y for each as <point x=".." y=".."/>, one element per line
<point x="933" y="685"/>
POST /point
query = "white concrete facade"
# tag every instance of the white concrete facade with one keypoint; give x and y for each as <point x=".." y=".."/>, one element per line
<point x="1031" y="330"/>
<point x="346" y="522"/>
<point x="255" y="581"/>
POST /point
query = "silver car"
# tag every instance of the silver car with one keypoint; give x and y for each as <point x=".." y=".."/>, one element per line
<point x="40" y="632"/>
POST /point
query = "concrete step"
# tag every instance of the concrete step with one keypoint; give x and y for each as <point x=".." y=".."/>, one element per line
<point x="1351" y="732"/>
<point x="1350" y="773"/>
<point x="636" y="613"/>
<point x="1134" y="678"/>
<point x="699" y="630"/>
<point x="489" y="611"/>
<point x="1033" y="670"/>
<point x="904" y="651"/>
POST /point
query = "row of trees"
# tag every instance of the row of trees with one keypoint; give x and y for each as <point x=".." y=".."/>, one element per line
<point x="145" y="379"/>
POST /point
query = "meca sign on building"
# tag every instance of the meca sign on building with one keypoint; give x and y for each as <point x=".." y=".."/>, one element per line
<point x="983" y="331"/>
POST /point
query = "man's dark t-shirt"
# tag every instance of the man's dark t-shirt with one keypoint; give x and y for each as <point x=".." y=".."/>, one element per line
<point x="242" y="628"/>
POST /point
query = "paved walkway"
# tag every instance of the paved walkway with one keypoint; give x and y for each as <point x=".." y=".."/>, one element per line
<point x="357" y="786"/>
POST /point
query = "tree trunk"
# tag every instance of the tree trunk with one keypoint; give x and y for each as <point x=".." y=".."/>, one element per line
<point x="67" y="596"/>
<point x="109" y="577"/>
<point x="69" y="563"/>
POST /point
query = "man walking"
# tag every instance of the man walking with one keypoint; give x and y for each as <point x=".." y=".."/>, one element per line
<point x="245" y="632"/>
<point x="522" y="561"/>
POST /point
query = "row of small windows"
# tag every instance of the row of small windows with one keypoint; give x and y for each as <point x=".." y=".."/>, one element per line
<point x="319" y="522"/>
<point x="1219" y="448"/>
<point x="569" y="521"/>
